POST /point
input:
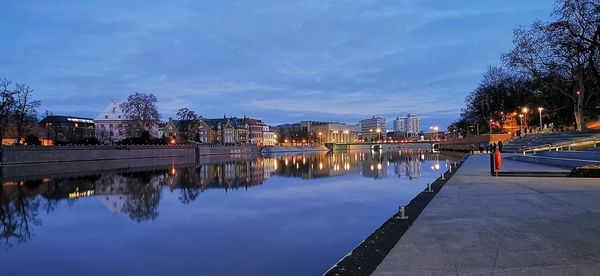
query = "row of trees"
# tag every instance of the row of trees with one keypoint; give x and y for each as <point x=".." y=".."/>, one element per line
<point x="17" y="109"/>
<point x="554" y="65"/>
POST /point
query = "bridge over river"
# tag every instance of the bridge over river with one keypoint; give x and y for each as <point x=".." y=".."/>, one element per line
<point x="384" y="146"/>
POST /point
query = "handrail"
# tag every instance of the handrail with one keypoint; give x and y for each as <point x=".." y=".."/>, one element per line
<point x="559" y="145"/>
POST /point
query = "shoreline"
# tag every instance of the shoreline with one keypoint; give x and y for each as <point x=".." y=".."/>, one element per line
<point x="365" y="257"/>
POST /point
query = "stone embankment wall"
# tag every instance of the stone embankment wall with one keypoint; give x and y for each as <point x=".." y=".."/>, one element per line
<point x="60" y="154"/>
<point x="38" y="154"/>
<point x="204" y="150"/>
<point x="32" y="161"/>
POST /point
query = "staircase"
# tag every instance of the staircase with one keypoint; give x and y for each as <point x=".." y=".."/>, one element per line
<point x="533" y="143"/>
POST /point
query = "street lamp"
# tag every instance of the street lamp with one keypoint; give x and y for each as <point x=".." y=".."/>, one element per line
<point x="540" y="109"/>
<point x="525" y="111"/>
<point x="491" y="121"/>
<point x="521" y="121"/>
<point x="435" y="130"/>
<point x="378" y="134"/>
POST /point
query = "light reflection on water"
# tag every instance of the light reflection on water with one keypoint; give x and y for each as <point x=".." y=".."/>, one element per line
<point x="292" y="215"/>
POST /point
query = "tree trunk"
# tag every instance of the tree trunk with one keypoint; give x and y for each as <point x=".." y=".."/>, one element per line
<point x="578" y="107"/>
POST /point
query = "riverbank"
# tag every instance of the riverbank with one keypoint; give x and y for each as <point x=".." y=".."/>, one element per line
<point x="480" y="224"/>
<point x="365" y="258"/>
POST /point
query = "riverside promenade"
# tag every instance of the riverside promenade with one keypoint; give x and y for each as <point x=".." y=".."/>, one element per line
<point x="483" y="225"/>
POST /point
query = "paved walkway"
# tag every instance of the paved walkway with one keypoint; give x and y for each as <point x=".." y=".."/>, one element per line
<point x="481" y="225"/>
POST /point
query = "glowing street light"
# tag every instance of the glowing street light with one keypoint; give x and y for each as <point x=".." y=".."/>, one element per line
<point x="525" y="111"/>
<point x="521" y="117"/>
<point x="435" y="130"/>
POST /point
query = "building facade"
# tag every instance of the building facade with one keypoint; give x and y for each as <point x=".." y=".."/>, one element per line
<point x="335" y="133"/>
<point x="111" y="125"/>
<point x="372" y="129"/>
<point x="227" y="131"/>
<point x="255" y="131"/>
<point x="269" y="137"/>
<point x="409" y="126"/>
<point x="400" y="125"/>
<point x="413" y="125"/>
<point x="68" y="129"/>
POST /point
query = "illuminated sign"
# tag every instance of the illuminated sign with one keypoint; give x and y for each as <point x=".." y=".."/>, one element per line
<point x="80" y="120"/>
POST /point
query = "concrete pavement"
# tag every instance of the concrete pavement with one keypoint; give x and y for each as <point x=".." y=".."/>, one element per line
<point x="483" y="225"/>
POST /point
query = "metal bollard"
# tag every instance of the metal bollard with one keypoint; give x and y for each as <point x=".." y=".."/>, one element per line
<point x="443" y="176"/>
<point x="429" y="190"/>
<point x="402" y="213"/>
<point x="450" y="170"/>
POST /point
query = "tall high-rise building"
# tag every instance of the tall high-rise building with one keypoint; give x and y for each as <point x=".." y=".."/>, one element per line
<point x="413" y="124"/>
<point x="400" y="125"/>
<point x="373" y="128"/>
<point x="408" y="126"/>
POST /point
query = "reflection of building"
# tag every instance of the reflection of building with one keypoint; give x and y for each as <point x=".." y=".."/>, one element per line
<point x="138" y="193"/>
<point x="375" y="166"/>
<point x="411" y="167"/>
<point x="112" y="191"/>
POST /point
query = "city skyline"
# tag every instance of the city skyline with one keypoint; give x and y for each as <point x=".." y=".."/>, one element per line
<point x="278" y="61"/>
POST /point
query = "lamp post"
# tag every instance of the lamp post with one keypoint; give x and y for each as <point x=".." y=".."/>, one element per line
<point x="378" y="134"/>
<point x="521" y="122"/>
<point x="435" y="130"/>
<point x="540" y="109"/>
<point x="491" y="132"/>
<point x="525" y="111"/>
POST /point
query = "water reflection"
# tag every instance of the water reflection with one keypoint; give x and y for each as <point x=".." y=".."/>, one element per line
<point x="138" y="194"/>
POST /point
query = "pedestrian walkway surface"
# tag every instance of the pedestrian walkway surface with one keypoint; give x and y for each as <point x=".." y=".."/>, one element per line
<point x="483" y="225"/>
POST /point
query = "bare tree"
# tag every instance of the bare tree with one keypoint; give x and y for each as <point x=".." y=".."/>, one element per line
<point x="581" y="20"/>
<point x="25" y="114"/>
<point x="141" y="110"/>
<point x="187" y="121"/>
<point x="547" y="53"/>
<point x="7" y="101"/>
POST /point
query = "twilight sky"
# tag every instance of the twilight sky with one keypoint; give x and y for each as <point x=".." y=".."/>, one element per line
<point x="277" y="60"/>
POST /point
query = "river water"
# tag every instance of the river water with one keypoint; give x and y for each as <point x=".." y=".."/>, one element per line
<point x="289" y="215"/>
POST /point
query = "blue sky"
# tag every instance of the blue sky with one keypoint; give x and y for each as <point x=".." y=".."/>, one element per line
<point x="277" y="60"/>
